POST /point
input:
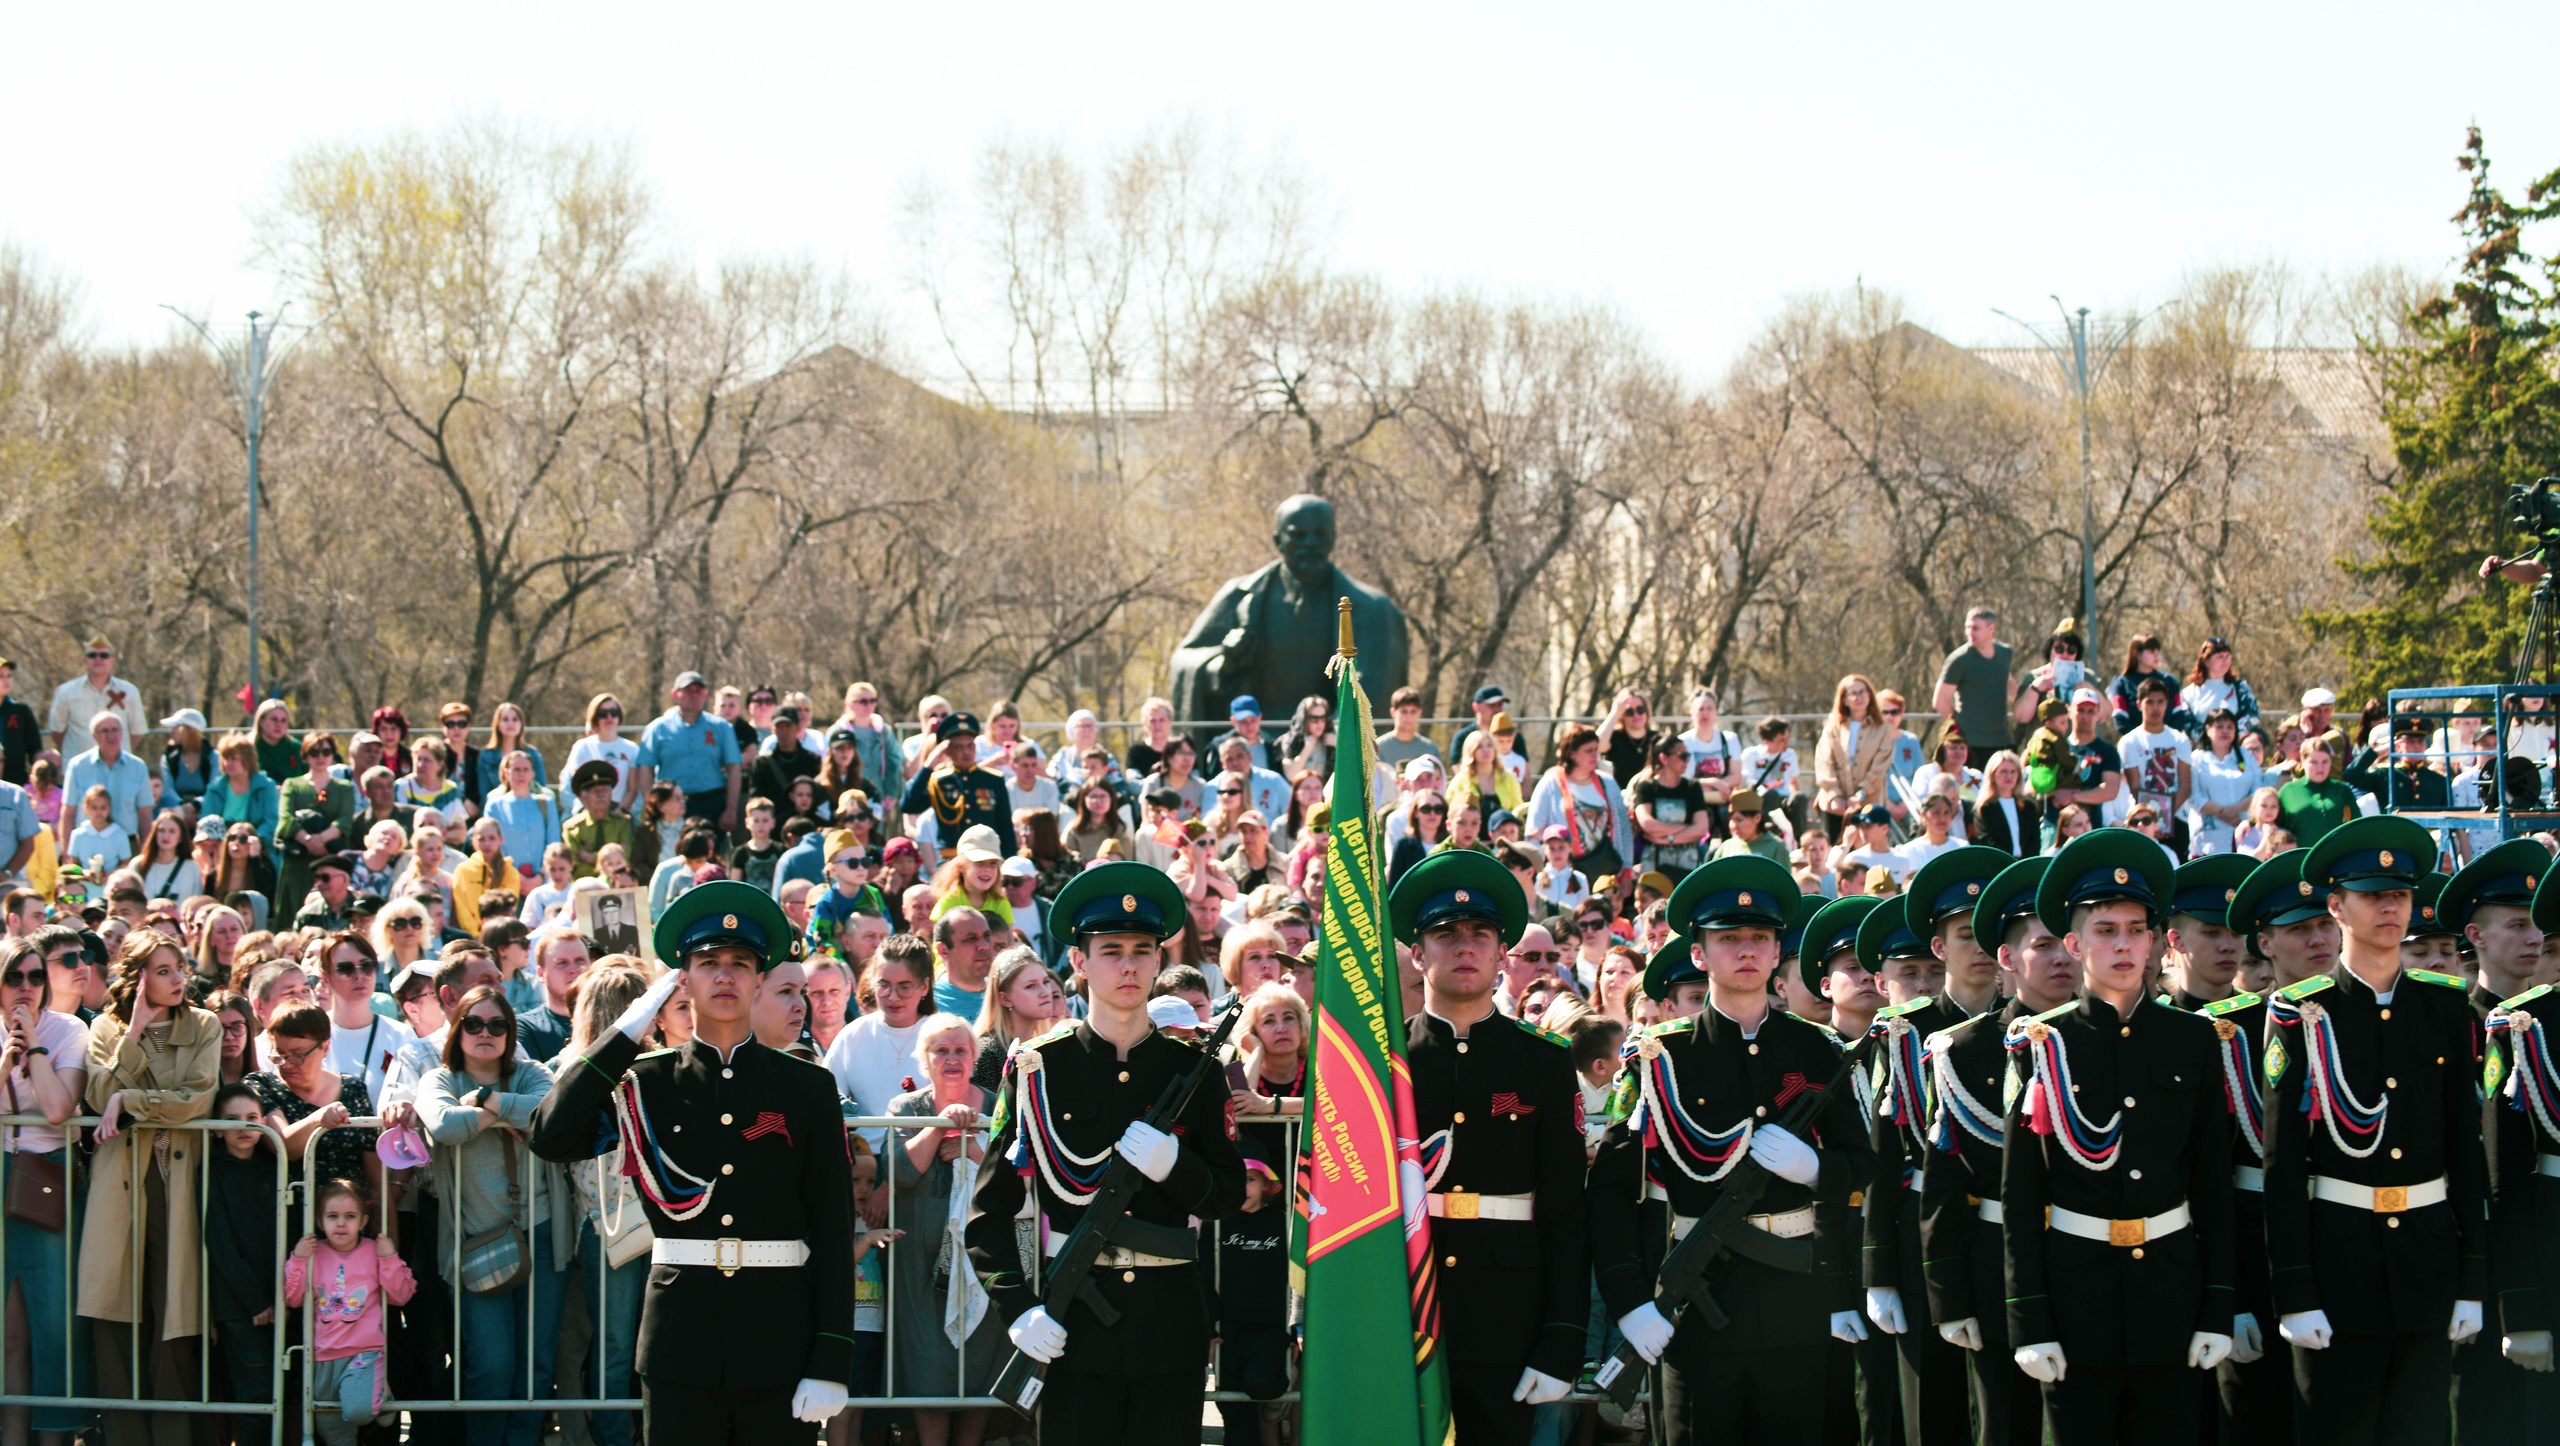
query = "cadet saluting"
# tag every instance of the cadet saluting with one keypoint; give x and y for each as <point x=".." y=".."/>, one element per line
<point x="1500" y="1111"/>
<point x="2119" y="1143"/>
<point x="2377" y="1191"/>
<point x="1703" y="1088"/>
<point x="1073" y="1098"/>
<point x="742" y="1162"/>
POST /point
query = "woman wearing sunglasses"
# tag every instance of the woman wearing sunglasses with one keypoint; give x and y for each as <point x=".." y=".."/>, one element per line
<point x="43" y="1063"/>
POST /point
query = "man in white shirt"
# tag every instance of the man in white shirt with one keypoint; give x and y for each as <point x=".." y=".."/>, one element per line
<point x="1021" y="878"/>
<point x="1937" y="822"/>
<point x="96" y="691"/>
<point x="1026" y="786"/>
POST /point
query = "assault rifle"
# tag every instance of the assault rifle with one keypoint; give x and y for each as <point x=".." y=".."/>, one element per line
<point x="1106" y="1223"/>
<point x="1681" y="1286"/>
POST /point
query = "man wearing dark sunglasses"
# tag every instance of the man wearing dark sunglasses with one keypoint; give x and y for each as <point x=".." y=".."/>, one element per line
<point x="97" y="690"/>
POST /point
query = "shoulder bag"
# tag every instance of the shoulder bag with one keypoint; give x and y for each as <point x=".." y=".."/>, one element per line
<point x="493" y="1261"/>
<point x="39" y="1191"/>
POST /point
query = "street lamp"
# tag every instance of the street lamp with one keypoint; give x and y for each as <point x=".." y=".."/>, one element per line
<point x="250" y="363"/>
<point x="2070" y="349"/>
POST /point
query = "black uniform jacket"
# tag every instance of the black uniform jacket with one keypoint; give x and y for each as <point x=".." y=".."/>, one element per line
<point x="2246" y="1014"/>
<point x="960" y="801"/>
<point x="767" y="1131"/>
<point x="1724" y="1079"/>
<point x="1960" y="1251"/>
<point x="1513" y="1292"/>
<point x="2524" y="1204"/>
<point x="2376" y="1272"/>
<point x="2123" y="1305"/>
<point x="1093" y="1095"/>
<point x="1892" y="1224"/>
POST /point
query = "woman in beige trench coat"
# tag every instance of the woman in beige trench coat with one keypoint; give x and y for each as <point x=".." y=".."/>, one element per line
<point x="153" y="1060"/>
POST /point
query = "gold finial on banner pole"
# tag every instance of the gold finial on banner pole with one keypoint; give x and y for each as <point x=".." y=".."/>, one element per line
<point x="1342" y="614"/>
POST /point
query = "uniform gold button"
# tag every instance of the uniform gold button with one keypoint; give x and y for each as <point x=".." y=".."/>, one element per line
<point x="728" y="1074"/>
<point x="2393" y="1222"/>
<point x="1462" y="1046"/>
<point x="1761" y="1110"/>
<point x="1069" y="1115"/>
<point x="2386" y="1011"/>
<point x="2126" y="1031"/>
<point x="2395" y="1152"/>
<point x="728" y="1169"/>
<point x="728" y="1219"/>
<point x="1755" y="1049"/>
<point x="2390" y="1083"/>
<point x="2128" y="1102"/>
<point x="1128" y="1277"/>
<point x="724" y="1119"/>
<point x="2137" y="1252"/>
<point x="1450" y="1261"/>
<point x="2439" y="1059"/>
<point x="2137" y="1174"/>
<point x="1458" y="1117"/>
<point x="679" y="1129"/>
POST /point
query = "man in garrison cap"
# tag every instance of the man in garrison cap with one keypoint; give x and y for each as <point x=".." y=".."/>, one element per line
<point x="1701" y="1093"/>
<point x="2118" y="1140"/>
<point x="1500" y="1112"/>
<point x="2377" y="1185"/>
<point x="742" y="1164"/>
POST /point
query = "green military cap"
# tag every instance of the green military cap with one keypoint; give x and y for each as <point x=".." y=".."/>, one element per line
<point x="2204" y="888"/>
<point x="2546" y="905"/>
<point x="1457" y="884"/>
<point x="2426" y="912"/>
<point x="1885" y="933"/>
<point x="1120" y="898"/>
<point x="1738" y="891"/>
<point x="1791" y="938"/>
<point x="2101" y="865"/>
<point x="594" y="773"/>
<point x="2010" y="895"/>
<point x="1950" y="884"/>
<point x="1832" y="928"/>
<point x="2371" y="855"/>
<point x="2276" y="894"/>
<point x="726" y="911"/>
<point x="2511" y="873"/>
<point x="1671" y="966"/>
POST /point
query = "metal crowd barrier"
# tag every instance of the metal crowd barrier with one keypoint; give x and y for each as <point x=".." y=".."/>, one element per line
<point x="75" y="1353"/>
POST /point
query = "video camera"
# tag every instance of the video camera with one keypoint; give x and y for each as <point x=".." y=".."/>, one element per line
<point x="2534" y="507"/>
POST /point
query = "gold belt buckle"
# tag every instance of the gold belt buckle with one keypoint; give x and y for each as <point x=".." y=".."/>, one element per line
<point x="2125" y="1232"/>
<point x="728" y="1254"/>
<point x="2390" y="1199"/>
<point x="1459" y="1205"/>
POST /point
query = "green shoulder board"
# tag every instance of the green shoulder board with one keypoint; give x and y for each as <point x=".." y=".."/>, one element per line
<point x="652" y="1054"/>
<point x="2165" y="999"/>
<point x="1549" y="1035"/>
<point x="2449" y="981"/>
<point x="2232" y="1005"/>
<point x="1061" y="1032"/>
<point x="1682" y="1025"/>
<point x="2054" y="1013"/>
<point x="2302" y="989"/>
<point x="1896" y="1011"/>
<point x="2527" y="997"/>
<point x="1837" y="1042"/>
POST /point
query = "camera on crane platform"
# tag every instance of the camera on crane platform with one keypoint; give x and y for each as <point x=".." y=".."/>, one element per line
<point x="2534" y="507"/>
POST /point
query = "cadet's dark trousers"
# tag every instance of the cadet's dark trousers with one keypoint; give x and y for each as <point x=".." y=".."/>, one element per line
<point x="710" y="1416"/>
<point x="1879" y="1390"/>
<point x="1078" y="1409"/>
<point x="2255" y="1402"/>
<point x="1746" y="1398"/>
<point x="1480" y="1405"/>
<point x="1932" y="1383"/>
<point x="2007" y="1410"/>
<point x="2131" y="1405"/>
<point x="1839" y="1383"/>
<point x="2374" y="1390"/>
<point x="2499" y="1400"/>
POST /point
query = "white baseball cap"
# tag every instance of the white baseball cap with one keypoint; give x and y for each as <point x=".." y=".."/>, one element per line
<point x="1172" y="1011"/>
<point x="2319" y="698"/>
<point x="1019" y="867"/>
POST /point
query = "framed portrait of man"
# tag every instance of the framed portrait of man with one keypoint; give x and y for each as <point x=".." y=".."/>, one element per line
<point x="615" y="921"/>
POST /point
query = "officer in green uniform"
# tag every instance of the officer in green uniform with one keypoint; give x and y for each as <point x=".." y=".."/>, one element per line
<point x="1500" y="1111"/>
<point x="596" y="823"/>
<point x="956" y="791"/>
<point x="1827" y="963"/>
<point x="2377" y="1187"/>
<point x="2208" y="931"/>
<point x="1702" y="1091"/>
<point x="1071" y="1099"/>
<point x="2492" y="902"/>
<point x="2118" y="1142"/>
<point x="1960" y="1215"/>
<point x="1934" y="917"/>
<point x="745" y="1172"/>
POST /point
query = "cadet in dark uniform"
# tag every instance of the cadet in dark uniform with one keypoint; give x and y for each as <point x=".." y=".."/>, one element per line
<point x="1499" y="1107"/>
<point x="2288" y="919"/>
<point x="1960" y="1216"/>
<point x="2492" y="902"/>
<point x="742" y="1161"/>
<point x="2430" y="943"/>
<point x="1702" y="1090"/>
<point x="1827" y="961"/>
<point x="1933" y="917"/>
<point x="956" y="791"/>
<point x="2253" y="1389"/>
<point x="1071" y="1099"/>
<point x="2118" y="1145"/>
<point x="2377" y="1189"/>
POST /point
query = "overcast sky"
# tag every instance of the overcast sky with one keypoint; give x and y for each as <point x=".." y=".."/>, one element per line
<point x="1692" y="165"/>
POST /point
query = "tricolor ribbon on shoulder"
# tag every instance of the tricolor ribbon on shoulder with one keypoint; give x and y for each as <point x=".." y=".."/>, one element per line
<point x="2354" y="1126"/>
<point x="1073" y="1178"/>
<point x="1433" y="1155"/>
<point x="1907" y="1075"/>
<point x="2532" y="1083"/>
<point x="1702" y="1153"/>
<point x="1957" y="1108"/>
<point x="2240" y="1085"/>
<point x="678" y="1192"/>
<point x="2051" y="1110"/>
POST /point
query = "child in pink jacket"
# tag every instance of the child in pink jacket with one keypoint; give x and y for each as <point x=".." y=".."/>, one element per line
<point x="348" y="1283"/>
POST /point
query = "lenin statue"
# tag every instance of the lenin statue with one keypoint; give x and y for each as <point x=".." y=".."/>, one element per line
<point x="1271" y="632"/>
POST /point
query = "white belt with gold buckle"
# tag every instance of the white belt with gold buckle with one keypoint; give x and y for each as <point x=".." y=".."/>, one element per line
<point x="729" y="1253"/>
<point x="2117" y="1232"/>
<point x="1113" y="1257"/>
<point x="2249" y="1177"/>
<point x="1786" y="1225"/>
<point x="1467" y="1205"/>
<point x="2380" y="1199"/>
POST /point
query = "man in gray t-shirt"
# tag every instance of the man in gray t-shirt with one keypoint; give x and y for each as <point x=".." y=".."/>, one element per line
<point x="1973" y="686"/>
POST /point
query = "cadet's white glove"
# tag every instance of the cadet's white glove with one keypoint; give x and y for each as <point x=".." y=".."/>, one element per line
<point x="1037" y="1334"/>
<point x="1785" y="1156"/>
<point x="1648" y="1330"/>
<point x="1150" y="1149"/>
<point x="2248" y="1342"/>
<point x="1884" y="1307"/>
<point x="1538" y="1388"/>
<point x="1965" y="1334"/>
<point x="2467" y="1320"/>
<point x="2308" y="1329"/>
<point x="2043" y="1362"/>
<point x="2530" y="1349"/>
<point x="817" y="1402"/>
<point x="643" y="1011"/>
<point x="2205" y="1350"/>
<point x="1848" y="1325"/>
